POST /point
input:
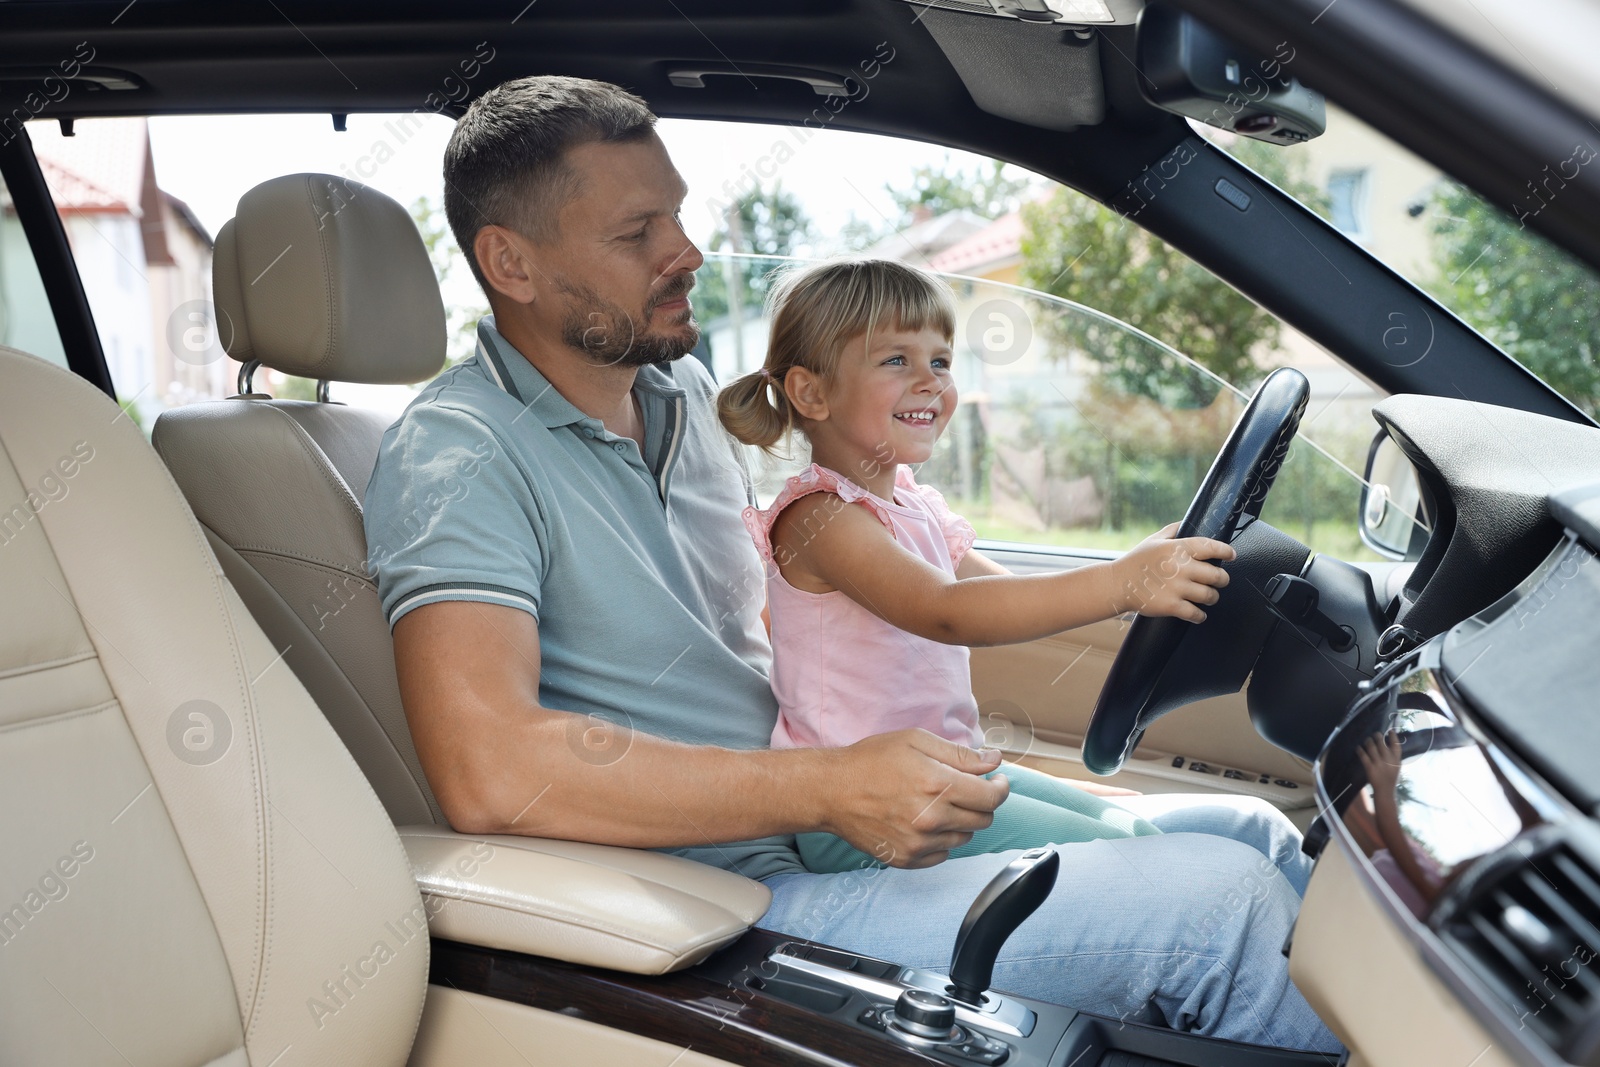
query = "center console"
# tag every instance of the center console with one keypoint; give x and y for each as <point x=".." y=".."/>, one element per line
<point x="778" y="1000"/>
<point x="912" y="1010"/>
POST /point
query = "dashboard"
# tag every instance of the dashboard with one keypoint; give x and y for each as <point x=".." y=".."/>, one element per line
<point x="1461" y="791"/>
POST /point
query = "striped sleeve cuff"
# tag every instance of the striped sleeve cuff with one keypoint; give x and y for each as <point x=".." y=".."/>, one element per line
<point x="483" y="594"/>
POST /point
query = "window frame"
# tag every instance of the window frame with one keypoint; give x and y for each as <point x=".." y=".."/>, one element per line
<point x="52" y="255"/>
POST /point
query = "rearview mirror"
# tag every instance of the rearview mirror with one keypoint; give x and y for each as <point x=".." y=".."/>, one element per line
<point x="1190" y="70"/>
<point x="1392" y="521"/>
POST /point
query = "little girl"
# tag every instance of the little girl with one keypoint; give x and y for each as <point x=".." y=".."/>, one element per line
<point x="874" y="589"/>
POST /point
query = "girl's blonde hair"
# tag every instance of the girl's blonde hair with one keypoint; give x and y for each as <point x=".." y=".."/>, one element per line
<point x="815" y="311"/>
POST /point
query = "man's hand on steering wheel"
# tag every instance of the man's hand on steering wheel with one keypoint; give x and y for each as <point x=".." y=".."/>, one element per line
<point x="1163" y="576"/>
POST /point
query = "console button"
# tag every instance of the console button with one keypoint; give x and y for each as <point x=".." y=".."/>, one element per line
<point x="926" y="1014"/>
<point x="980" y="1049"/>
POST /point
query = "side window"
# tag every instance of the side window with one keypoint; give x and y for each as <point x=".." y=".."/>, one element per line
<point x="144" y="260"/>
<point x="1076" y="430"/>
<point x="1099" y="370"/>
<point x="26" y="321"/>
<point x="142" y="199"/>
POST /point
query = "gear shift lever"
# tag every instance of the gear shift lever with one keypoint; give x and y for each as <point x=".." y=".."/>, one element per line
<point x="1013" y="895"/>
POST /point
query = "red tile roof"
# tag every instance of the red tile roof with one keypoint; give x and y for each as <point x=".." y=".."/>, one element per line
<point x="999" y="241"/>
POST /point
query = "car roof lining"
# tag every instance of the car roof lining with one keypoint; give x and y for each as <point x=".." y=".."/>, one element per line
<point x="192" y="58"/>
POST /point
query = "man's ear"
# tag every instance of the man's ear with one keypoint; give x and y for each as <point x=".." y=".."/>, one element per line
<point x="503" y="258"/>
<point x="806" y="392"/>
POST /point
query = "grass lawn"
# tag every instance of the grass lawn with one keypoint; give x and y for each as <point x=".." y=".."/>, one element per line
<point x="1336" y="539"/>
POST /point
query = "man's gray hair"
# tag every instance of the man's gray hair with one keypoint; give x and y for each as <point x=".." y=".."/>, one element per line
<point x="506" y="163"/>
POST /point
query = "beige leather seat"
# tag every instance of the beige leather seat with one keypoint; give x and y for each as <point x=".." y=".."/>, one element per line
<point x="320" y="277"/>
<point x="192" y="868"/>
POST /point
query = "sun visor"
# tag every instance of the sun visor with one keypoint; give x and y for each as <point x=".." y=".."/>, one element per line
<point x="1042" y="74"/>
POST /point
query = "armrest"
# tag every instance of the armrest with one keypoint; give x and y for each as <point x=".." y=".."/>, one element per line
<point x="627" y="909"/>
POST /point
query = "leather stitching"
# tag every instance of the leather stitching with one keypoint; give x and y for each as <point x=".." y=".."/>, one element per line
<point x="330" y="290"/>
<point x="365" y="704"/>
<point x="309" y="563"/>
<point x="58" y="716"/>
<point x="320" y="460"/>
<point x="263" y="883"/>
<point x="64" y="661"/>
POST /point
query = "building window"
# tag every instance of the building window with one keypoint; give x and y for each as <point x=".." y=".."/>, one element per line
<point x="1347" y="201"/>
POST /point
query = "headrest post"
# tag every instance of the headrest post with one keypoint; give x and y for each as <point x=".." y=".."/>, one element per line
<point x="247" y="371"/>
<point x="322" y="390"/>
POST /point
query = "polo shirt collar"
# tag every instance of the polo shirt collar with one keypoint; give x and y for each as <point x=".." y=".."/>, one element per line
<point x="516" y="374"/>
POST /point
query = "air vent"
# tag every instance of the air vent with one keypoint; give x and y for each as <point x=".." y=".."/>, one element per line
<point x="1532" y="932"/>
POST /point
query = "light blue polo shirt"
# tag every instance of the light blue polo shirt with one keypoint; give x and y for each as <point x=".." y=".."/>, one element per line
<point x="492" y="487"/>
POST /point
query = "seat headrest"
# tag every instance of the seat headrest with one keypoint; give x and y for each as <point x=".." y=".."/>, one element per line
<point x="322" y="277"/>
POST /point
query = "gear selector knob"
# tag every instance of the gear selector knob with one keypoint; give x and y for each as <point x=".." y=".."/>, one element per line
<point x="1013" y="895"/>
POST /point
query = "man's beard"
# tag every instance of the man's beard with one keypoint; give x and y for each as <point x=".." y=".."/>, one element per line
<point x="610" y="337"/>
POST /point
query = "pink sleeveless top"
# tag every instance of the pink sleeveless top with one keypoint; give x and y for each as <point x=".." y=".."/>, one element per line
<point x="839" y="672"/>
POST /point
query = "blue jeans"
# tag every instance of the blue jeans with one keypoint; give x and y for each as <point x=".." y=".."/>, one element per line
<point x="1183" y="929"/>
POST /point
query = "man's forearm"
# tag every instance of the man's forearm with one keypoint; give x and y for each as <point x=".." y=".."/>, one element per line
<point x="569" y="776"/>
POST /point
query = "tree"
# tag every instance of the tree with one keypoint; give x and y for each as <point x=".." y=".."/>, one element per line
<point x="987" y="191"/>
<point x="1074" y="248"/>
<point x="772" y="222"/>
<point x="1518" y="290"/>
<point x="765" y="222"/>
<point x="1077" y="249"/>
<point x="461" y="320"/>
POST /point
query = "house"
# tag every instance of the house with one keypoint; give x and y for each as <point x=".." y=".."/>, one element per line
<point x="145" y="262"/>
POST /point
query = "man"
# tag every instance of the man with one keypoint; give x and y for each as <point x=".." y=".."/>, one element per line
<point x="576" y="614"/>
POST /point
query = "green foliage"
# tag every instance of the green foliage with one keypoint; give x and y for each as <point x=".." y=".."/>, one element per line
<point x="1145" y="424"/>
<point x="772" y="222"/>
<point x="1312" y="490"/>
<point x="1074" y="248"/>
<point x="1518" y="290"/>
<point x="461" y="321"/>
<point x="131" y="407"/>
<point x="1146" y="457"/>
<point x="289" y="387"/>
<point x="987" y="191"/>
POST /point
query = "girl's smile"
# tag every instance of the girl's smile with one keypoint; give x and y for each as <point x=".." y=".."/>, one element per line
<point x="885" y="406"/>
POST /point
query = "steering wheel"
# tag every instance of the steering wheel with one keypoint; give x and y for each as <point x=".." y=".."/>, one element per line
<point x="1139" y="690"/>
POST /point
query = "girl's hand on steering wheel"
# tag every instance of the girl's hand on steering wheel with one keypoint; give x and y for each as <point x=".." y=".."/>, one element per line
<point x="1166" y="576"/>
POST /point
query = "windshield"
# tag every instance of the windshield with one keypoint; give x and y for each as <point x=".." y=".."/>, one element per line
<point x="1530" y="298"/>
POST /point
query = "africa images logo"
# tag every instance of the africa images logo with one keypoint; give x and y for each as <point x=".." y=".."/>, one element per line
<point x="199" y="732"/>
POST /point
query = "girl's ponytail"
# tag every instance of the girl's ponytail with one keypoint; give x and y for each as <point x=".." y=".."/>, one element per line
<point x="748" y="411"/>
